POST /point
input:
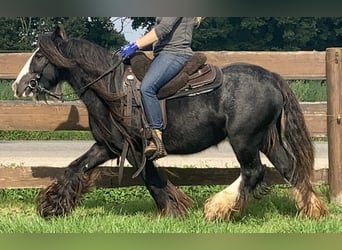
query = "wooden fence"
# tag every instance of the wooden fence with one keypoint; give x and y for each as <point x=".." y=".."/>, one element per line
<point x="19" y="115"/>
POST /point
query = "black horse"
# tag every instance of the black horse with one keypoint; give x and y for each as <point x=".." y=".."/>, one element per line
<point x="254" y="109"/>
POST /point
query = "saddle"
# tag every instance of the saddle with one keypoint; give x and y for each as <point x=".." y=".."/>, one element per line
<point x="195" y="78"/>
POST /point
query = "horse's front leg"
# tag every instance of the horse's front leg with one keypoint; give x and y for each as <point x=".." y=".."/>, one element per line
<point x="168" y="198"/>
<point x="60" y="197"/>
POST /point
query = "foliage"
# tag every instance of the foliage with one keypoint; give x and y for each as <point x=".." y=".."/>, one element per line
<point x="22" y="33"/>
<point x="9" y="37"/>
<point x="262" y="33"/>
<point x="142" y="22"/>
<point x="214" y="33"/>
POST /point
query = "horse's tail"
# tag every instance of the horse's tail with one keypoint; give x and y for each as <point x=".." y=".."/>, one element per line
<point x="294" y="136"/>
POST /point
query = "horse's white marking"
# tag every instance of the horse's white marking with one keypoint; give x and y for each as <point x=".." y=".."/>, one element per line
<point x="234" y="188"/>
<point x="23" y="71"/>
<point x="222" y="205"/>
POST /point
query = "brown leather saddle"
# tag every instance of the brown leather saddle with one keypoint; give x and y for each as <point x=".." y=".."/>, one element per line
<point x="195" y="78"/>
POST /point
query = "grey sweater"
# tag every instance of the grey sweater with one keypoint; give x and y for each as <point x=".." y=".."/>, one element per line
<point x="174" y="35"/>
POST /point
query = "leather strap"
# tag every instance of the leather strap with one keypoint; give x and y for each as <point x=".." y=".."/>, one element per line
<point x="128" y="118"/>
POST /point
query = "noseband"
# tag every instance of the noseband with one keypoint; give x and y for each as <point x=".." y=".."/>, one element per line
<point x="37" y="88"/>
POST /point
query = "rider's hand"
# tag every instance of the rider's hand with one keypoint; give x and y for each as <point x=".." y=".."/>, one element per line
<point x="128" y="50"/>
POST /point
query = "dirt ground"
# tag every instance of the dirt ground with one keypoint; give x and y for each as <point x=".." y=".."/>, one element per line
<point x="61" y="153"/>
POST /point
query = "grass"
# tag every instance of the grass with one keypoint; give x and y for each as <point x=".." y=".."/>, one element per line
<point x="309" y="91"/>
<point x="13" y="135"/>
<point x="131" y="210"/>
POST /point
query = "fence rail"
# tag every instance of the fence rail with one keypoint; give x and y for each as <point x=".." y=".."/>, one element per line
<point x="38" y="177"/>
<point x="291" y="65"/>
<point x="31" y="116"/>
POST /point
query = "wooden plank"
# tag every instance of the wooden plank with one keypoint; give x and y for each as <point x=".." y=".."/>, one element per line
<point x="20" y="115"/>
<point x="38" y="177"/>
<point x="334" y="123"/>
<point x="11" y="64"/>
<point x="26" y="115"/>
<point x="291" y="65"/>
<point x="315" y="115"/>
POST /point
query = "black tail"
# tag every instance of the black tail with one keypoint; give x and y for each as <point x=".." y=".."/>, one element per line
<point x="296" y="138"/>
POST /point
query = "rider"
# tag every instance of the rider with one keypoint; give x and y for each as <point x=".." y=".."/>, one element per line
<point x="171" y="38"/>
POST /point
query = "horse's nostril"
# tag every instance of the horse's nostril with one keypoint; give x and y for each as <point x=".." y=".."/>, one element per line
<point x="14" y="86"/>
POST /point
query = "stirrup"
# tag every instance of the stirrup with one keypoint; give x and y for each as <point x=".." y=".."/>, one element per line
<point x="150" y="149"/>
<point x="155" y="149"/>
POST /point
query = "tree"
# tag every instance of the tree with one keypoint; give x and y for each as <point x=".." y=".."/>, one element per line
<point x="142" y="22"/>
<point x="22" y="33"/>
<point x="101" y="31"/>
<point x="9" y="37"/>
<point x="262" y="33"/>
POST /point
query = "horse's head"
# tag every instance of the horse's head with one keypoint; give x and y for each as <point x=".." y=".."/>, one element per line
<point x="39" y="76"/>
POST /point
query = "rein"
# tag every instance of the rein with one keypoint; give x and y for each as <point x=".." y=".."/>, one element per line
<point x="132" y="92"/>
<point x="82" y="90"/>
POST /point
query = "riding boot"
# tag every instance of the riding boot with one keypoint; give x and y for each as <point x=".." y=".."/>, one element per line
<point x="155" y="148"/>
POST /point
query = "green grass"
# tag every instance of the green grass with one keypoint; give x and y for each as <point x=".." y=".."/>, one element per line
<point x="6" y="92"/>
<point x="309" y="91"/>
<point x="131" y="210"/>
<point x="13" y="135"/>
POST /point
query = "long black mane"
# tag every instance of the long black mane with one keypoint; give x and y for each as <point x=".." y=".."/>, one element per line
<point x="79" y="55"/>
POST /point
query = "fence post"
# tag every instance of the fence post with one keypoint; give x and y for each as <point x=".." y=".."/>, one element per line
<point x="334" y="122"/>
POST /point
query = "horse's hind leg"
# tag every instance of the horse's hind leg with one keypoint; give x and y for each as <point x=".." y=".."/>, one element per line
<point x="233" y="199"/>
<point x="169" y="200"/>
<point x="60" y="197"/>
<point x="309" y="204"/>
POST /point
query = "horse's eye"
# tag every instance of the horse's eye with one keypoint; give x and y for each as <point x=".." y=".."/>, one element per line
<point x="39" y="55"/>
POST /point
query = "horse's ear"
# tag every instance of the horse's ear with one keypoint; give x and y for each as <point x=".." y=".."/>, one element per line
<point x="59" y="33"/>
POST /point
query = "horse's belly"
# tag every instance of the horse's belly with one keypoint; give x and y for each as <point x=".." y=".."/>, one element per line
<point x="185" y="141"/>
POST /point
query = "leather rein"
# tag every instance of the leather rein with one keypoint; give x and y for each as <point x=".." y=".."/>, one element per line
<point x="132" y="93"/>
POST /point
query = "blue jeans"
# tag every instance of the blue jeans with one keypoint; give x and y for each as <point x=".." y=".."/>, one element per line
<point x="163" y="68"/>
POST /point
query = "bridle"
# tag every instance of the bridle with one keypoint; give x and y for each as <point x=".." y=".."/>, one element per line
<point x="35" y="86"/>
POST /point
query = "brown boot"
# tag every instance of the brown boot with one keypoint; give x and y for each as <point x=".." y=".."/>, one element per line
<point x="155" y="148"/>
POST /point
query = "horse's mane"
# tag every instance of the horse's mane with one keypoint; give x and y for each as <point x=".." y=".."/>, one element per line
<point x="94" y="60"/>
<point x="76" y="52"/>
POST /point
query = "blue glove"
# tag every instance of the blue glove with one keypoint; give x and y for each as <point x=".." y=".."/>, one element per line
<point x="128" y="50"/>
